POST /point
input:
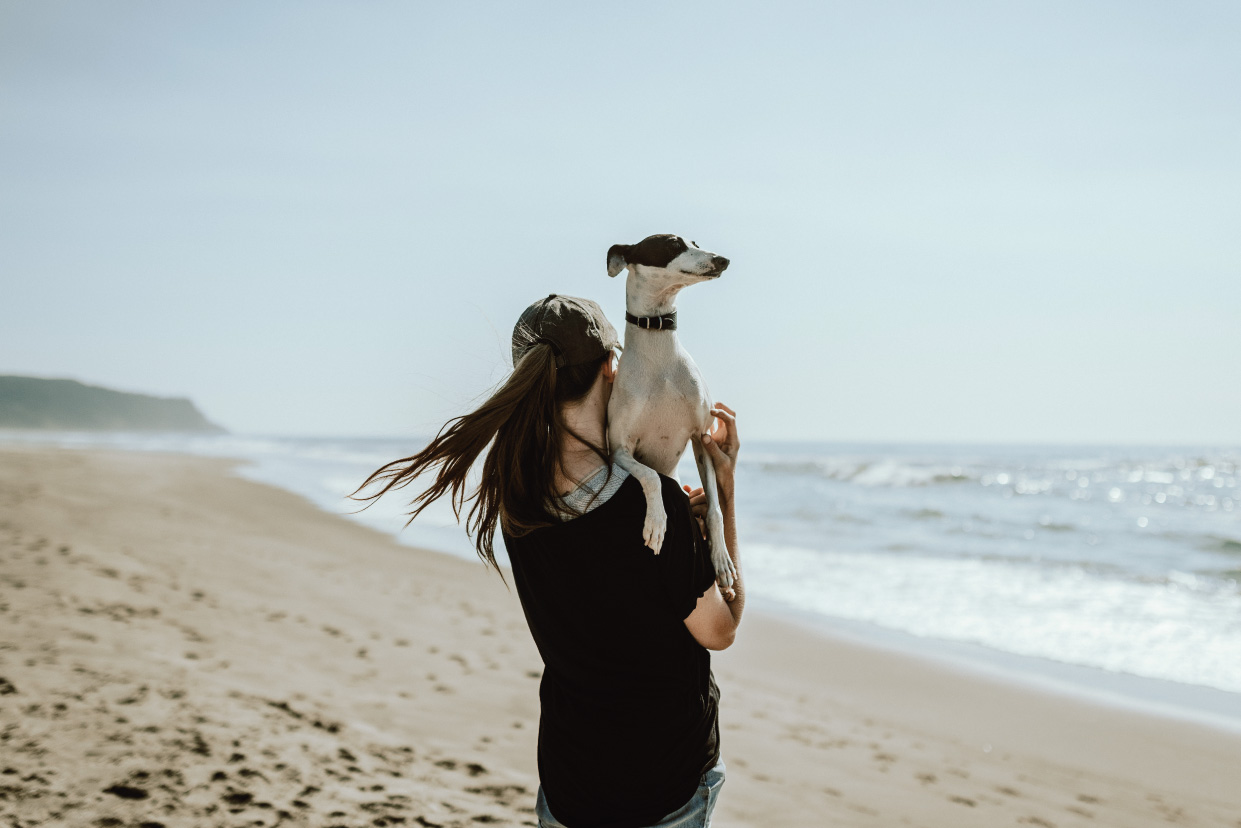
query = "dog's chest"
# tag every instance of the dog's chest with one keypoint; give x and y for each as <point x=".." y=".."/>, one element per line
<point x="668" y="389"/>
<point x="664" y="406"/>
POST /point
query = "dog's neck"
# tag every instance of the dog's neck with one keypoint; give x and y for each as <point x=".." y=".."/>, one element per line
<point x="657" y="342"/>
<point x="643" y="300"/>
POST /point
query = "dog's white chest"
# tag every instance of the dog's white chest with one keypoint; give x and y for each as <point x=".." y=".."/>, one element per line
<point x="660" y="408"/>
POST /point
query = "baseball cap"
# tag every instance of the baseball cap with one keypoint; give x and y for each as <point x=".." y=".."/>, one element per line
<point x="576" y="329"/>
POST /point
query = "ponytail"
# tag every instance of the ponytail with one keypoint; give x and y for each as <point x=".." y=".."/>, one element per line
<point x="523" y="423"/>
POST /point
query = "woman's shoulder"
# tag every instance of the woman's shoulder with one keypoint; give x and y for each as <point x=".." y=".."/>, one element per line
<point x="628" y="504"/>
<point x="625" y="504"/>
<point x="673" y="495"/>
<point x="675" y="501"/>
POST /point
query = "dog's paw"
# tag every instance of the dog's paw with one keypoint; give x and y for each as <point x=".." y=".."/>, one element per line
<point x="655" y="526"/>
<point x="725" y="570"/>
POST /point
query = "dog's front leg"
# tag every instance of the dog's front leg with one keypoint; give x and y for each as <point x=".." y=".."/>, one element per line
<point x="725" y="570"/>
<point x="656" y="517"/>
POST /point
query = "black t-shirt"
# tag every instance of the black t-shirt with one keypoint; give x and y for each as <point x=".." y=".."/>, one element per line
<point x="629" y="706"/>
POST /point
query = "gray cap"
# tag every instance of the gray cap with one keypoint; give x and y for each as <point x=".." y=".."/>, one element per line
<point x="576" y="329"/>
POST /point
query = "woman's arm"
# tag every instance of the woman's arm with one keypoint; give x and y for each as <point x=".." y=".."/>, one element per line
<point x="714" y="621"/>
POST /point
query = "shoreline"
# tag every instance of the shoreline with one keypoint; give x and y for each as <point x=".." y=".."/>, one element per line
<point x="279" y="462"/>
<point x="1191" y="703"/>
<point x="1198" y="704"/>
<point x="188" y="592"/>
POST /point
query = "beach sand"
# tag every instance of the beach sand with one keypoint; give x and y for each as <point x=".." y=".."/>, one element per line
<point x="181" y="647"/>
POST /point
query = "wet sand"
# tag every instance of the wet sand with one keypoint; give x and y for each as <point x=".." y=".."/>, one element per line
<point x="181" y="647"/>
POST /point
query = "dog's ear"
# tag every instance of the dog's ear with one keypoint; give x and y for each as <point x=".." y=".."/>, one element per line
<point x="616" y="258"/>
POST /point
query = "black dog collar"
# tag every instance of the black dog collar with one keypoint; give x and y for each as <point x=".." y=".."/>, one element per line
<point x="667" y="322"/>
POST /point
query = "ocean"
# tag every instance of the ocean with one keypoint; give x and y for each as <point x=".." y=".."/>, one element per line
<point x="1105" y="568"/>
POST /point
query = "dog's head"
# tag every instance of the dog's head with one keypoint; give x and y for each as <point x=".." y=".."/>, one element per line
<point x="666" y="256"/>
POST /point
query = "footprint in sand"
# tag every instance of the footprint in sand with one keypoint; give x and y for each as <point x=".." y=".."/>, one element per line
<point x="503" y="794"/>
<point x="237" y="798"/>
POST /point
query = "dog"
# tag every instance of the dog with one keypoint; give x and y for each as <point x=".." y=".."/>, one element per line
<point x="659" y="400"/>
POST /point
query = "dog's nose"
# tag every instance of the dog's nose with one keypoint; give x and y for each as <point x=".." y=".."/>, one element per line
<point x="719" y="262"/>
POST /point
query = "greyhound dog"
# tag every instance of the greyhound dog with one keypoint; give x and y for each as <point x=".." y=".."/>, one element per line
<point x="659" y="401"/>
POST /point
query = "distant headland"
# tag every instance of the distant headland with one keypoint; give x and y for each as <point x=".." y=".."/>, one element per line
<point x="69" y="405"/>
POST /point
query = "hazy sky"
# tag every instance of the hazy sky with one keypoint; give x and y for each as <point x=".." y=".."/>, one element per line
<point x="947" y="221"/>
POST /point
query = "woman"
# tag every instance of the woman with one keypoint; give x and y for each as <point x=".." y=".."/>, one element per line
<point x="629" y="734"/>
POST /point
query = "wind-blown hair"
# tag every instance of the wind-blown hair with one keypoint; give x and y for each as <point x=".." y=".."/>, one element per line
<point x="523" y="422"/>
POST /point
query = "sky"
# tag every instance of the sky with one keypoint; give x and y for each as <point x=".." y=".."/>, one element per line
<point x="948" y="222"/>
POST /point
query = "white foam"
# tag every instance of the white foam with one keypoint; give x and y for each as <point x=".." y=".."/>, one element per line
<point x="1177" y="631"/>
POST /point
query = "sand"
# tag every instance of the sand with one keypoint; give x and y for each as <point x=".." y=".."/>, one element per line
<point x="181" y="647"/>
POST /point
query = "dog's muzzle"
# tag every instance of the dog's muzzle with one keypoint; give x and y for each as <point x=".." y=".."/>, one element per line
<point x="718" y="265"/>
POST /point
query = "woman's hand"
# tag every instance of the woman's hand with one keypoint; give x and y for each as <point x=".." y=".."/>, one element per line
<point x="698" y="506"/>
<point x="722" y="444"/>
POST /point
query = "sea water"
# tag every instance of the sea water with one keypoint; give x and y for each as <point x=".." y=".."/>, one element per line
<point x="1125" y="560"/>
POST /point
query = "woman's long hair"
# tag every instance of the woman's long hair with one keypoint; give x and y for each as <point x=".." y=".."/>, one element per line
<point x="524" y="424"/>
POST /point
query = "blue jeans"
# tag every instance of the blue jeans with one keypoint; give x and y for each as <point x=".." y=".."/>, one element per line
<point x="693" y="814"/>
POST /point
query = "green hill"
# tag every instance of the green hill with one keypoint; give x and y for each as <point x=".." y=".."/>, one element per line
<point x="33" y="403"/>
